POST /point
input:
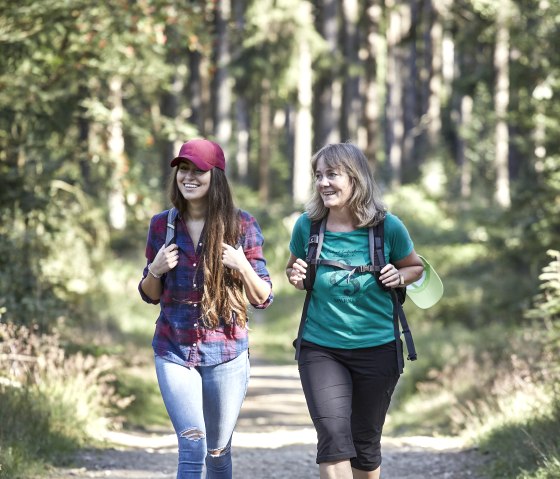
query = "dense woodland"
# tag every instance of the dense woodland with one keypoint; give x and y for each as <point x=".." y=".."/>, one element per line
<point x="454" y="102"/>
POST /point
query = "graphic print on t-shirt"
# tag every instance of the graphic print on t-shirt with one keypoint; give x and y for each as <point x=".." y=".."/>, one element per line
<point x="345" y="280"/>
<point x="345" y="285"/>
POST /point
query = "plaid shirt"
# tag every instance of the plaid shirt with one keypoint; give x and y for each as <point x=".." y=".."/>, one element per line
<point x="180" y="334"/>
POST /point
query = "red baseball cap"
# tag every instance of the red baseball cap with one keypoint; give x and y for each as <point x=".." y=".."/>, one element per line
<point x="205" y="154"/>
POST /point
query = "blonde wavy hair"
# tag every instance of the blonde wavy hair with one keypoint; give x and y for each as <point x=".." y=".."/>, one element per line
<point x="365" y="204"/>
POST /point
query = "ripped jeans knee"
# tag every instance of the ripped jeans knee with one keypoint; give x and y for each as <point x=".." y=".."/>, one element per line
<point x="193" y="433"/>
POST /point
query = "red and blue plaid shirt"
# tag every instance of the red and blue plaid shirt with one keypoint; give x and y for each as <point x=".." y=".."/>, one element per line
<point x="180" y="334"/>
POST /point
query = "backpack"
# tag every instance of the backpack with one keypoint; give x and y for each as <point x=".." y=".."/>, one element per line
<point x="377" y="256"/>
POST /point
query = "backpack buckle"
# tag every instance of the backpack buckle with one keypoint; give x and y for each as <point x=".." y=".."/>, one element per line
<point x="366" y="268"/>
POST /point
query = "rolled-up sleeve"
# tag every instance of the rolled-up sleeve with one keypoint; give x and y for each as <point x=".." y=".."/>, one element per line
<point x="153" y="244"/>
<point x="253" y="248"/>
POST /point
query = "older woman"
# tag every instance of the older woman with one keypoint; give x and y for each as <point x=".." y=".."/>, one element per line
<point x="348" y="357"/>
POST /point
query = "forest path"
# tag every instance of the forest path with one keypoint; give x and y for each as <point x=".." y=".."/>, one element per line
<point x="274" y="439"/>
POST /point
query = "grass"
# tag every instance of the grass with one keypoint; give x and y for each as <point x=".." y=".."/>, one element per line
<point x="147" y="410"/>
<point x="274" y="329"/>
<point x="29" y="435"/>
<point x="526" y="447"/>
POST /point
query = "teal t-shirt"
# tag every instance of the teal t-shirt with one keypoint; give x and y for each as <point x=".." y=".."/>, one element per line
<point x="345" y="311"/>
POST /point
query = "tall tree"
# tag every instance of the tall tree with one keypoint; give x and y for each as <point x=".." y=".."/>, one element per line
<point x="327" y="85"/>
<point x="397" y="15"/>
<point x="116" y="147"/>
<point x="303" y="121"/>
<point x="501" y="102"/>
<point x="351" y="102"/>
<point x="264" y="141"/>
<point x="222" y="98"/>
<point x="434" y="37"/>
<point x="241" y="103"/>
<point x="373" y="95"/>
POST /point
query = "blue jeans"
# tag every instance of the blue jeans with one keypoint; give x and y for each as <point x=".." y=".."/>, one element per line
<point x="203" y="404"/>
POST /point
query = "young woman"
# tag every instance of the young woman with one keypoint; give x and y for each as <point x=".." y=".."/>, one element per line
<point x="202" y="283"/>
<point x="348" y="357"/>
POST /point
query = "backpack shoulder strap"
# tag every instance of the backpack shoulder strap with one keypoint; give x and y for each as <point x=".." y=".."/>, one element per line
<point x="170" y="231"/>
<point x="377" y="256"/>
<point x="314" y="246"/>
<point x="376" y="246"/>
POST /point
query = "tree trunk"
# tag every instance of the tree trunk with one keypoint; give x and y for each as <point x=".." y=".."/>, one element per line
<point x="242" y="152"/>
<point x="411" y="93"/>
<point x="222" y="85"/>
<point x="372" y="108"/>
<point x="433" y="112"/>
<point x="394" y="105"/>
<point x="115" y="145"/>
<point x="501" y="102"/>
<point x="462" y="157"/>
<point x="241" y="105"/>
<point x="303" y="123"/>
<point x="194" y="91"/>
<point x="351" y="102"/>
<point x="326" y="115"/>
<point x="264" y="143"/>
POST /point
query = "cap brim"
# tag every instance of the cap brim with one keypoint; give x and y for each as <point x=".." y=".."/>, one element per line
<point x="428" y="290"/>
<point x="199" y="164"/>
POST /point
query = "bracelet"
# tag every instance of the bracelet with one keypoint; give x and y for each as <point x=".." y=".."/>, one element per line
<point x="157" y="276"/>
<point x="401" y="280"/>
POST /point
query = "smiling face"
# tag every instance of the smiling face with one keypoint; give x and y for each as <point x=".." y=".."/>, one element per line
<point x="192" y="182"/>
<point x="333" y="184"/>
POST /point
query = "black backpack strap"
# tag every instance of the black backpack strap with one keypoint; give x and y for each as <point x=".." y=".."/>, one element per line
<point x="377" y="255"/>
<point x="314" y="246"/>
<point x="170" y="232"/>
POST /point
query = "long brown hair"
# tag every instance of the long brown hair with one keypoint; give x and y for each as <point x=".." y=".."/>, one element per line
<point x="365" y="204"/>
<point x="223" y="289"/>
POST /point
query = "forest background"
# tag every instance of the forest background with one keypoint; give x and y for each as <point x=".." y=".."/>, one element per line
<point x="455" y="103"/>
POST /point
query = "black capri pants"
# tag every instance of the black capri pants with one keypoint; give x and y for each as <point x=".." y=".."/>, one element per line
<point x="348" y="392"/>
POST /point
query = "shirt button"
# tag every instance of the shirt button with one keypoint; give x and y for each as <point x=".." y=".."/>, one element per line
<point x="194" y="285"/>
<point x="195" y="325"/>
<point x="194" y="264"/>
<point x="194" y="344"/>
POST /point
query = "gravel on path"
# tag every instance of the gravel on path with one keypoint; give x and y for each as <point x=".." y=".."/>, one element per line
<point x="274" y="439"/>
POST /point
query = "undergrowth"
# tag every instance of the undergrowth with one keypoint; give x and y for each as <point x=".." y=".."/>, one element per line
<point x="51" y="402"/>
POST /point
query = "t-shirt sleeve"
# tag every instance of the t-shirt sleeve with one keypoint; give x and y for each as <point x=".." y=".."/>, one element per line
<point x="400" y="242"/>
<point x="300" y="237"/>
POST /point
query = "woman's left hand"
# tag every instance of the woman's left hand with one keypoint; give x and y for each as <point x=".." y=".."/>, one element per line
<point x="234" y="258"/>
<point x="390" y="276"/>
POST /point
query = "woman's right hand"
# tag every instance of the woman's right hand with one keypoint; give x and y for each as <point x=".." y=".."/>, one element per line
<point x="166" y="259"/>
<point x="297" y="273"/>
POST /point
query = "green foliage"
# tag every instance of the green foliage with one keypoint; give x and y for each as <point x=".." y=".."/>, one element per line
<point x="526" y="449"/>
<point x="28" y="435"/>
<point x="496" y="387"/>
<point x="147" y="409"/>
<point x="51" y="402"/>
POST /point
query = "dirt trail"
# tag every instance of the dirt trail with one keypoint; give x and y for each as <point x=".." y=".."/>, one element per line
<point x="274" y="439"/>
